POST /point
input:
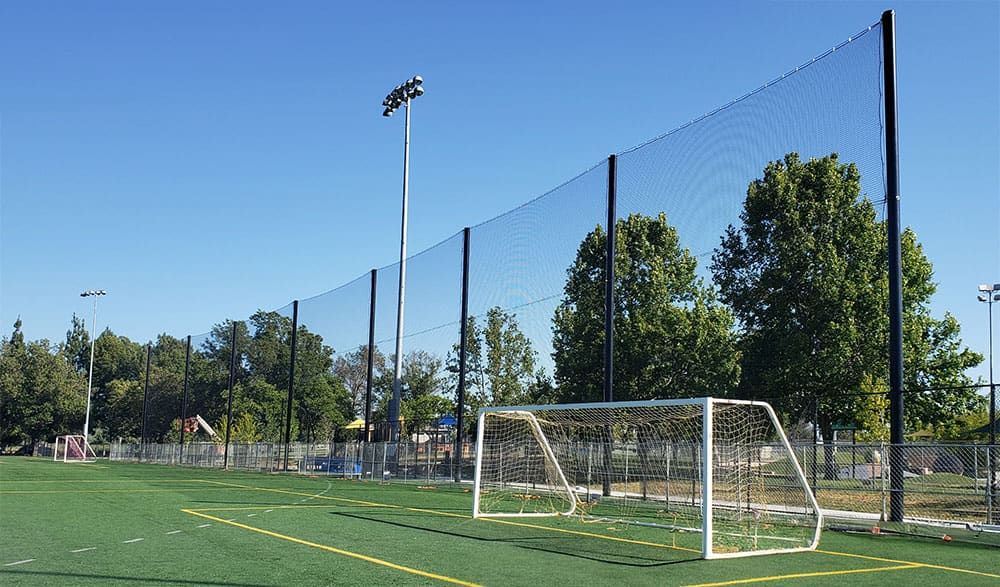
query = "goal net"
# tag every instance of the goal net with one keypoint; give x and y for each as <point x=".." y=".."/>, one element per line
<point x="73" y="448"/>
<point x="718" y="476"/>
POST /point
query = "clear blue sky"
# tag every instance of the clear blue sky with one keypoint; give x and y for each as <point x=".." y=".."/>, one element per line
<point x="146" y="148"/>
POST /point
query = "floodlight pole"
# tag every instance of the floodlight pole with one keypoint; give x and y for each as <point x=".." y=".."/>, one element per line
<point x="462" y="357"/>
<point x="988" y="295"/>
<point x="291" y="380"/>
<point x="401" y="96"/>
<point x="896" y="439"/>
<point x="398" y="367"/>
<point x="184" y="401"/>
<point x="90" y="377"/>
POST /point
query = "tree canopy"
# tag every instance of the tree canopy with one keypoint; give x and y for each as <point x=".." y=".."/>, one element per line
<point x="672" y="338"/>
<point x="806" y="275"/>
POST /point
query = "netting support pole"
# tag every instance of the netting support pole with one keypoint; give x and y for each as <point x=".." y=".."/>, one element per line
<point x="896" y="461"/>
<point x="145" y="402"/>
<point x="184" y="401"/>
<point x="229" y="402"/>
<point x="456" y="458"/>
<point x="371" y="358"/>
<point x="609" y="314"/>
<point x="291" y="381"/>
<point x="609" y="281"/>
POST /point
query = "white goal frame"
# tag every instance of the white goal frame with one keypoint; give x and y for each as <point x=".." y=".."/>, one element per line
<point x="707" y="403"/>
<point x="78" y="440"/>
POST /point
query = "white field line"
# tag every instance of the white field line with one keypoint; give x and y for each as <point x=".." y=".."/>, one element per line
<point x="27" y="560"/>
<point x="251" y="515"/>
<point x="174" y="532"/>
<point x="133" y="540"/>
<point x="268" y="511"/>
<point x="204" y="526"/>
<point x="84" y="549"/>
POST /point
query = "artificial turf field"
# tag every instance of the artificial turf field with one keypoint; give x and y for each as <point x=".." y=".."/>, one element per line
<point x="126" y="524"/>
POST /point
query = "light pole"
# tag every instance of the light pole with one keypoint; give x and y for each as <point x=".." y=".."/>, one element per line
<point x="989" y="294"/>
<point x="91" y="293"/>
<point x="401" y="95"/>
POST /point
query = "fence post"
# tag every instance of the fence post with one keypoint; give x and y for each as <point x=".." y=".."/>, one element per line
<point x="229" y="402"/>
<point x="291" y="380"/>
<point x="456" y="458"/>
<point x="145" y="402"/>
<point x="371" y="357"/>
<point x="184" y="401"/>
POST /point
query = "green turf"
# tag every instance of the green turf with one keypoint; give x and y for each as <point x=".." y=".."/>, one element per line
<point x="48" y="510"/>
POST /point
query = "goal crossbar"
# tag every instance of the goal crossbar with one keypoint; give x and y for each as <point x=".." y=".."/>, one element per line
<point x="720" y="467"/>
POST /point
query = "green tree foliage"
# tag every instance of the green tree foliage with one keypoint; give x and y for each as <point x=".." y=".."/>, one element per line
<point x="672" y="338"/>
<point x="41" y="392"/>
<point x="352" y="370"/>
<point x="806" y="276"/>
<point x="77" y="346"/>
<point x="501" y="364"/>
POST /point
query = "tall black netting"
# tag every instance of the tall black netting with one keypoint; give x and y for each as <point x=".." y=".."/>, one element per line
<point x="331" y="362"/>
<point x="750" y="252"/>
<point x="166" y="387"/>
<point x="432" y="322"/>
<point x="526" y="269"/>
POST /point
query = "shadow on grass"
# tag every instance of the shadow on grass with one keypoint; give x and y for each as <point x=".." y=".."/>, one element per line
<point x="67" y="577"/>
<point x="563" y="546"/>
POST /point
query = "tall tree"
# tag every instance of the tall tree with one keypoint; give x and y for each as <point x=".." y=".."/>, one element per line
<point x="501" y="363"/>
<point x="672" y="338"/>
<point x="806" y="275"/>
<point x="78" y="344"/>
<point x="352" y="370"/>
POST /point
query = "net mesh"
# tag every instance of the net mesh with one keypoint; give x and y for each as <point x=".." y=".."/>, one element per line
<point x="643" y="465"/>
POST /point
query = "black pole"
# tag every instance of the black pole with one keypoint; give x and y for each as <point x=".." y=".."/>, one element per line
<point x="460" y="409"/>
<point x="145" y="401"/>
<point x="609" y="313"/>
<point x="609" y="282"/>
<point x="184" y="402"/>
<point x="896" y="460"/>
<point x="229" y="402"/>
<point x="371" y="357"/>
<point x="291" y="380"/>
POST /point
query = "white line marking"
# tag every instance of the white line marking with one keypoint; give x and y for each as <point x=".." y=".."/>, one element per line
<point x="175" y="532"/>
<point x="268" y="511"/>
<point x="27" y="560"/>
<point x="84" y="549"/>
<point x="133" y="540"/>
<point x="251" y="515"/>
<point x="204" y="526"/>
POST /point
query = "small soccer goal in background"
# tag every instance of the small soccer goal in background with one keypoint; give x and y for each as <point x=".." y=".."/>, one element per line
<point x="720" y="474"/>
<point x="73" y="448"/>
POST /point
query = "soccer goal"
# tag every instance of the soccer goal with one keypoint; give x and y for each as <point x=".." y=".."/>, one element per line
<point x="719" y="471"/>
<point x="73" y="448"/>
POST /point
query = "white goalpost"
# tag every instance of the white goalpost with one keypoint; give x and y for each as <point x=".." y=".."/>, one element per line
<point x="718" y="475"/>
<point x="73" y="448"/>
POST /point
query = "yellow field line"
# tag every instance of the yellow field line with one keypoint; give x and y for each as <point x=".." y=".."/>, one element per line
<point x="261" y="507"/>
<point x="919" y="564"/>
<point x="804" y="575"/>
<point x="467" y="517"/>
<point x="899" y="563"/>
<point x="355" y="555"/>
<point x="30" y="491"/>
<point x="299" y="493"/>
<point x="5" y="481"/>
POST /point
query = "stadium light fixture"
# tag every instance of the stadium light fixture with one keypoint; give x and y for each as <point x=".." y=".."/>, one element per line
<point x="401" y="95"/>
<point x="91" y="293"/>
